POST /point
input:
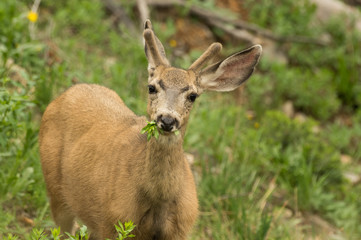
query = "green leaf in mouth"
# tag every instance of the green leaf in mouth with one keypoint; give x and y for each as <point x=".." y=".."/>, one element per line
<point x="152" y="130"/>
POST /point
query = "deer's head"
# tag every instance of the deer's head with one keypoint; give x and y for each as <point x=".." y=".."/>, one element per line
<point x="172" y="91"/>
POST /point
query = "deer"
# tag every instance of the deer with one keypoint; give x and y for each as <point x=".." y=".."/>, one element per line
<point x="100" y="169"/>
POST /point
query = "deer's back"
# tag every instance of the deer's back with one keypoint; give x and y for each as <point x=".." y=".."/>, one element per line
<point x="84" y="105"/>
<point x="87" y="146"/>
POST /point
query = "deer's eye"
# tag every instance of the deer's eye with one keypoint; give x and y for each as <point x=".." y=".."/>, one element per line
<point x="192" y="97"/>
<point x="152" y="89"/>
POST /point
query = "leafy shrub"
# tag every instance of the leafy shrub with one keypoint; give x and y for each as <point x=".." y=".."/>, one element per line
<point x="337" y="64"/>
<point x="74" y="15"/>
<point x="282" y="16"/>
<point x="12" y="29"/>
<point x="20" y="174"/>
<point x="342" y="59"/>
<point x="18" y="135"/>
<point x="345" y="138"/>
<point x="311" y="92"/>
<point x="302" y="158"/>
<point x="292" y="136"/>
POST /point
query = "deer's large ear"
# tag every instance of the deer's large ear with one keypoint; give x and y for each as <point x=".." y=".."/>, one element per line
<point x="153" y="48"/>
<point x="230" y="73"/>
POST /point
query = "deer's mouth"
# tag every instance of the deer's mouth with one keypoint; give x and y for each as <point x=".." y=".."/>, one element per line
<point x="165" y="132"/>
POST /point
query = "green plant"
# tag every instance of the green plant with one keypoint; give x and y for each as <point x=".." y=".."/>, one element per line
<point x="12" y="237"/>
<point x="82" y="234"/>
<point x="311" y="92"/>
<point x="18" y="137"/>
<point x="38" y="234"/>
<point x="341" y="58"/>
<point x="231" y="195"/>
<point x="55" y="233"/>
<point x="296" y="143"/>
<point x="282" y="16"/>
<point x="345" y="138"/>
<point x="12" y="30"/>
<point x="124" y="231"/>
<point x="152" y="130"/>
<point x="20" y="174"/>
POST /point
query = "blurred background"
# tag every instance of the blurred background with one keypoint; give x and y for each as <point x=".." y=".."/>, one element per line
<point x="279" y="158"/>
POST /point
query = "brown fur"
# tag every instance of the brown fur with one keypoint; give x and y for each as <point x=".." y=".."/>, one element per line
<point x="99" y="168"/>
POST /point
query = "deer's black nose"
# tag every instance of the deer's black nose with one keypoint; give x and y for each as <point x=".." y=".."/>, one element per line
<point x="167" y="123"/>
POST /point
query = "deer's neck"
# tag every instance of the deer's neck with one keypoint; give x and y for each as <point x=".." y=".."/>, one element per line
<point x="164" y="168"/>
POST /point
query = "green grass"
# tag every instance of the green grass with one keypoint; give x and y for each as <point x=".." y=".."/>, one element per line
<point x="260" y="174"/>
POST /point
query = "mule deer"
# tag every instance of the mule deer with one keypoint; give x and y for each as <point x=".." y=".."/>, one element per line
<point x="99" y="168"/>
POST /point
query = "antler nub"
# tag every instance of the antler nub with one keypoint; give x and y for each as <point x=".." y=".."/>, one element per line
<point x="211" y="52"/>
<point x="148" y="24"/>
<point x="151" y="43"/>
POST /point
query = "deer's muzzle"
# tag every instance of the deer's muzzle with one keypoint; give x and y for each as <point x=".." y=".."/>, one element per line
<point x="167" y="123"/>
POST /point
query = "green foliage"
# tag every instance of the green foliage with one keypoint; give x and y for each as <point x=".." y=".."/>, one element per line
<point x="233" y="201"/>
<point x="55" y="232"/>
<point x="345" y="139"/>
<point x="18" y="139"/>
<point x="306" y="166"/>
<point x="81" y="17"/>
<point x="303" y="160"/>
<point x="38" y="234"/>
<point x="347" y="67"/>
<point x="82" y="234"/>
<point x="281" y="132"/>
<point x="152" y="130"/>
<point x="12" y="29"/>
<point x="331" y="72"/>
<point x="124" y="232"/>
<point x="20" y="175"/>
<point x="12" y="237"/>
<point x="281" y="16"/>
<point x="311" y="92"/>
<point x="342" y="60"/>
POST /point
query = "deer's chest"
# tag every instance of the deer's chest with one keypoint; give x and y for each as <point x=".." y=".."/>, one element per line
<point x="159" y="221"/>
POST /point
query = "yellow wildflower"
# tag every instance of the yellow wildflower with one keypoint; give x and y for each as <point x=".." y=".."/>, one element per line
<point x="32" y="16"/>
<point x="256" y="125"/>
<point x="173" y="43"/>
